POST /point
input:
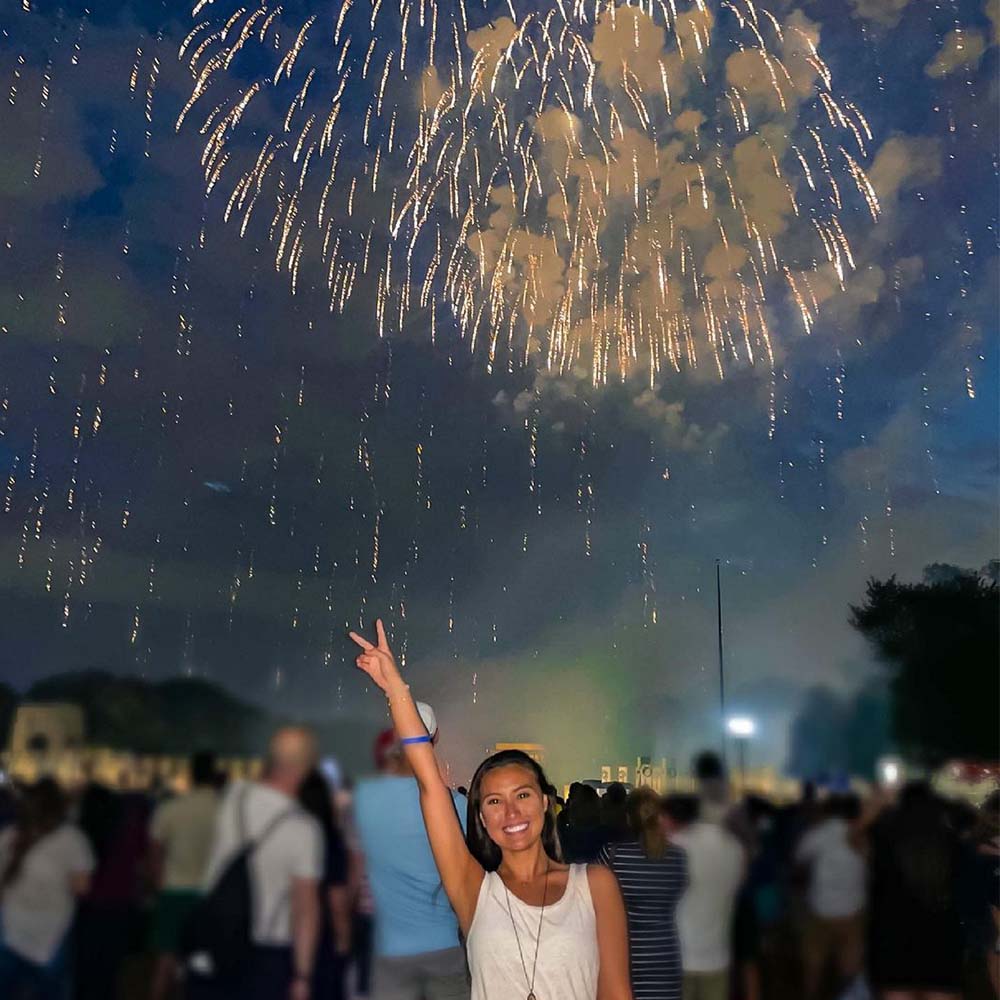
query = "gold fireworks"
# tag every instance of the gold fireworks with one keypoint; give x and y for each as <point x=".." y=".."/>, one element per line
<point x="607" y="187"/>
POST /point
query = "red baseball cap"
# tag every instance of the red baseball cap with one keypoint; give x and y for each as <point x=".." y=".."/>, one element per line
<point x="384" y="744"/>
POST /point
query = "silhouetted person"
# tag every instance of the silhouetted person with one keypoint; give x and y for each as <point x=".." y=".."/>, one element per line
<point x="580" y="830"/>
<point x="108" y="921"/>
<point x="982" y="890"/>
<point x="8" y="806"/>
<point x="613" y="815"/>
<point x="915" y="934"/>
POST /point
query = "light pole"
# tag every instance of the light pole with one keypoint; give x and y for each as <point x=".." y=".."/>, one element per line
<point x="722" y="668"/>
<point x="742" y="728"/>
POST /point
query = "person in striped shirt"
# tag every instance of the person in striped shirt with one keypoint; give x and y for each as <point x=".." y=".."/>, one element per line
<point x="652" y="875"/>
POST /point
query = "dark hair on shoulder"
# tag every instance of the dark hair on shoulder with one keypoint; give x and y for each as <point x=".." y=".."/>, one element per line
<point x="482" y="848"/>
<point x="203" y="769"/>
<point x="643" y="811"/>
<point x="316" y="797"/>
<point x="42" y="810"/>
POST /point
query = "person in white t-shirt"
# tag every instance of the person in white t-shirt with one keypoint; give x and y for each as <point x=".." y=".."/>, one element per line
<point x="45" y="865"/>
<point x="285" y="871"/>
<point x="834" y="931"/>
<point x="716" y="865"/>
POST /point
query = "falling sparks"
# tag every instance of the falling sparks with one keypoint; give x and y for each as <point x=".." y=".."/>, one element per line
<point x="604" y="190"/>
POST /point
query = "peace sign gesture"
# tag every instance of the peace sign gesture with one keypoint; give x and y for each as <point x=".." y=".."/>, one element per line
<point x="377" y="661"/>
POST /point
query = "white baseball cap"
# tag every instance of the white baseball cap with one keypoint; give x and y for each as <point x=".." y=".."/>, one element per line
<point x="428" y="718"/>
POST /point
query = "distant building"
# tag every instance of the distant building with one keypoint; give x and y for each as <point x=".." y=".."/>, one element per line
<point x="645" y="773"/>
<point x="663" y="777"/>
<point x="50" y="739"/>
<point x="47" y="729"/>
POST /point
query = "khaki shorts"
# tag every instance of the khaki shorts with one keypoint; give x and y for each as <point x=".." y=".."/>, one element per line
<point x="706" y="985"/>
<point x="837" y="941"/>
<point x="434" y="975"/>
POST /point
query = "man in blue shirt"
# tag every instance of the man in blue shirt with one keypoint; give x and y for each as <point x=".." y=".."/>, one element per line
<point x="417" y="950"/>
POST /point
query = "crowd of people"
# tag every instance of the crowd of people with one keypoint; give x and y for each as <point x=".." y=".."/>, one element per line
<point x="403" y="888"/>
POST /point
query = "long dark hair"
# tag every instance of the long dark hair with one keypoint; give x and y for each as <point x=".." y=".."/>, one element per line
<point x="315" y="797"/>
<point x="481" y="847"/>
<point x="643" y="810"/>
<point x="41" y="810"/>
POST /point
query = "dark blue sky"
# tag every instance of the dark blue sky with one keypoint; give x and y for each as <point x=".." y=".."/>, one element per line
<point x="202" y="473"/>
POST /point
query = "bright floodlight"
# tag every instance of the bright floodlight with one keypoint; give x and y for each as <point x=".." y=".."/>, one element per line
<point x="741" y="726"/>
<point x="890" y="771"/>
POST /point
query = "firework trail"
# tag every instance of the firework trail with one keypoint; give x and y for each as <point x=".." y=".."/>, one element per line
<point x="600" y="186"/>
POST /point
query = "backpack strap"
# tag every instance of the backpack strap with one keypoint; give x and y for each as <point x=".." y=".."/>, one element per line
<point x="241" y="816"/>
<point x="272" y="826"/>
<point x="252" y="848"/>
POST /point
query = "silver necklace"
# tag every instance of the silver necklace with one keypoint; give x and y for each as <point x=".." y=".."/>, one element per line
<point x="538" y="935"/>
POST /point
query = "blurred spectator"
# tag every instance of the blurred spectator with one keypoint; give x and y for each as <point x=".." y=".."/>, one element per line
<point x="580" y="831"/>
<point x="981" y="893"/>
<point x="45" y="865"/>
<point x="915" y="934"/>
<point x="614" y="818"/>
<point x="109" y="923"/>
<point x="285" y="868"/>
<point x="716" y="864"/>
<point x="834" y="929"/>
<point x="417" y="951"/>
<point x="8" y="805"/>
<point x="334" y="944"/>
<point x="181" y="834"/>
<point x="652" y="874"/>
<point x="363" y="905"/>
<point x="713" y="787"/>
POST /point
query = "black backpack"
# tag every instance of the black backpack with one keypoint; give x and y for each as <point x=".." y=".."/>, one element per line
<point x="221" y="925"/>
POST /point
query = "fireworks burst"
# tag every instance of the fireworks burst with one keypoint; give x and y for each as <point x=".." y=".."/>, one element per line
<point x="605" y="187"/>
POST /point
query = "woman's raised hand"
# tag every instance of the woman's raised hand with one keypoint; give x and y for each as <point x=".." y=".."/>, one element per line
<point x="377" y="661"/>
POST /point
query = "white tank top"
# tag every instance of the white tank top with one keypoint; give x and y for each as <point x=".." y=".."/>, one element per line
<point x="568" y="960"/>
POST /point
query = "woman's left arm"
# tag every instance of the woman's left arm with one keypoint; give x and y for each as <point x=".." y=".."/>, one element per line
<point x="612" y="934"/>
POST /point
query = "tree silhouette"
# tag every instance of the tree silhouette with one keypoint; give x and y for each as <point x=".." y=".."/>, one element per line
<point x="940" y="640"/>
<point x="184" y="714"/>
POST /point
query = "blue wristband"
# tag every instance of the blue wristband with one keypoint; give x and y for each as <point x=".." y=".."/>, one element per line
<point x="406" y="741"/>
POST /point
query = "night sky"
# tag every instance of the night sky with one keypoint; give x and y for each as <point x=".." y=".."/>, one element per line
<point x="208" y="472"/>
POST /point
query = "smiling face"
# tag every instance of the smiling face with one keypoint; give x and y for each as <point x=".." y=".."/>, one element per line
<point x="512" y="807"/>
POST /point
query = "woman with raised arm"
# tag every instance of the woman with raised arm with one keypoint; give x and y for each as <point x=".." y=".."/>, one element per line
<point x="534" y="927"/>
